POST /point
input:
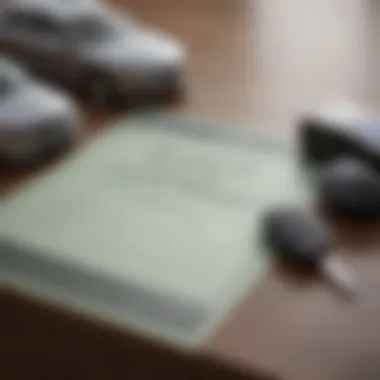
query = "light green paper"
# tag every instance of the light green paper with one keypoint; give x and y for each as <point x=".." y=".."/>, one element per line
<point x="172" y="212"/>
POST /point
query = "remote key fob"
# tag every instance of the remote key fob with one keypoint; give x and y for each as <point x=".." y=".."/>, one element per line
<point x="297" y="236"/>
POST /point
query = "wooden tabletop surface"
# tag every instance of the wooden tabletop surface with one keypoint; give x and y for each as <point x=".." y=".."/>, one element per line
<point x="260" y="63"/>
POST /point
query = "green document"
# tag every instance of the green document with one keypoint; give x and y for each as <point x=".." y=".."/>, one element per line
<point x="152" y="226"/>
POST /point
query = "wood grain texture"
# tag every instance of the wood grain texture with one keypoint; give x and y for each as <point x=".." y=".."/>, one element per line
<point x="41" y="342"/>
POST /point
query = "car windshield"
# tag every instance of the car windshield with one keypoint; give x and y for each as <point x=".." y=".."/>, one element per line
<point x="9" y="77"/>
<point x="93" y="29"/>
<point x="5" y="85"/>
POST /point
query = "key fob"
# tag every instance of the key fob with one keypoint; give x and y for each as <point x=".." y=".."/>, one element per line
<point x="296" y="236"/>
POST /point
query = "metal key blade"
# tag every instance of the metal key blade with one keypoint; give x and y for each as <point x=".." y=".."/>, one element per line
<point x="339" y="276"/>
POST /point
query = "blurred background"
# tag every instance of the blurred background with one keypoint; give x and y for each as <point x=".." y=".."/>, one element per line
<point x="253" y="65"/>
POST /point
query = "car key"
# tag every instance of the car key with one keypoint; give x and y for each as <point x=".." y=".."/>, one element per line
<point x="298" y="237"/>
<point x="349" y="190"/>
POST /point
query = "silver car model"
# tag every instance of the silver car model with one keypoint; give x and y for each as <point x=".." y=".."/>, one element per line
<point x="85" y="44"/>
<point x="35" y="119"/>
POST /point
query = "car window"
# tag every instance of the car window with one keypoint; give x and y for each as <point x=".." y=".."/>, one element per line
<point x="86" y="29"/>
<point x="34" y="22"/>
<point x="93" y="29"/>
<point x="10" y="75"/>
<point x="5" y="85"/>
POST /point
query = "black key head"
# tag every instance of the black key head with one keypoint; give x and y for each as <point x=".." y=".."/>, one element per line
<point x="296" y="236"/>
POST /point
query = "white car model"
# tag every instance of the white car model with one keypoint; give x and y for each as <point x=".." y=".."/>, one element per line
<point x="35" y="119"/>
<point x="85" y="44"/>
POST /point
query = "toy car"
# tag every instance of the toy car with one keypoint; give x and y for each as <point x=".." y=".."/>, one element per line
<point x="84" y="44"/>
<point x="35" y="120"/>
<point x="338" y="130"/>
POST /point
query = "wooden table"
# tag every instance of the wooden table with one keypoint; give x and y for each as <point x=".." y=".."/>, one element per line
<point x="255" y="63"/>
